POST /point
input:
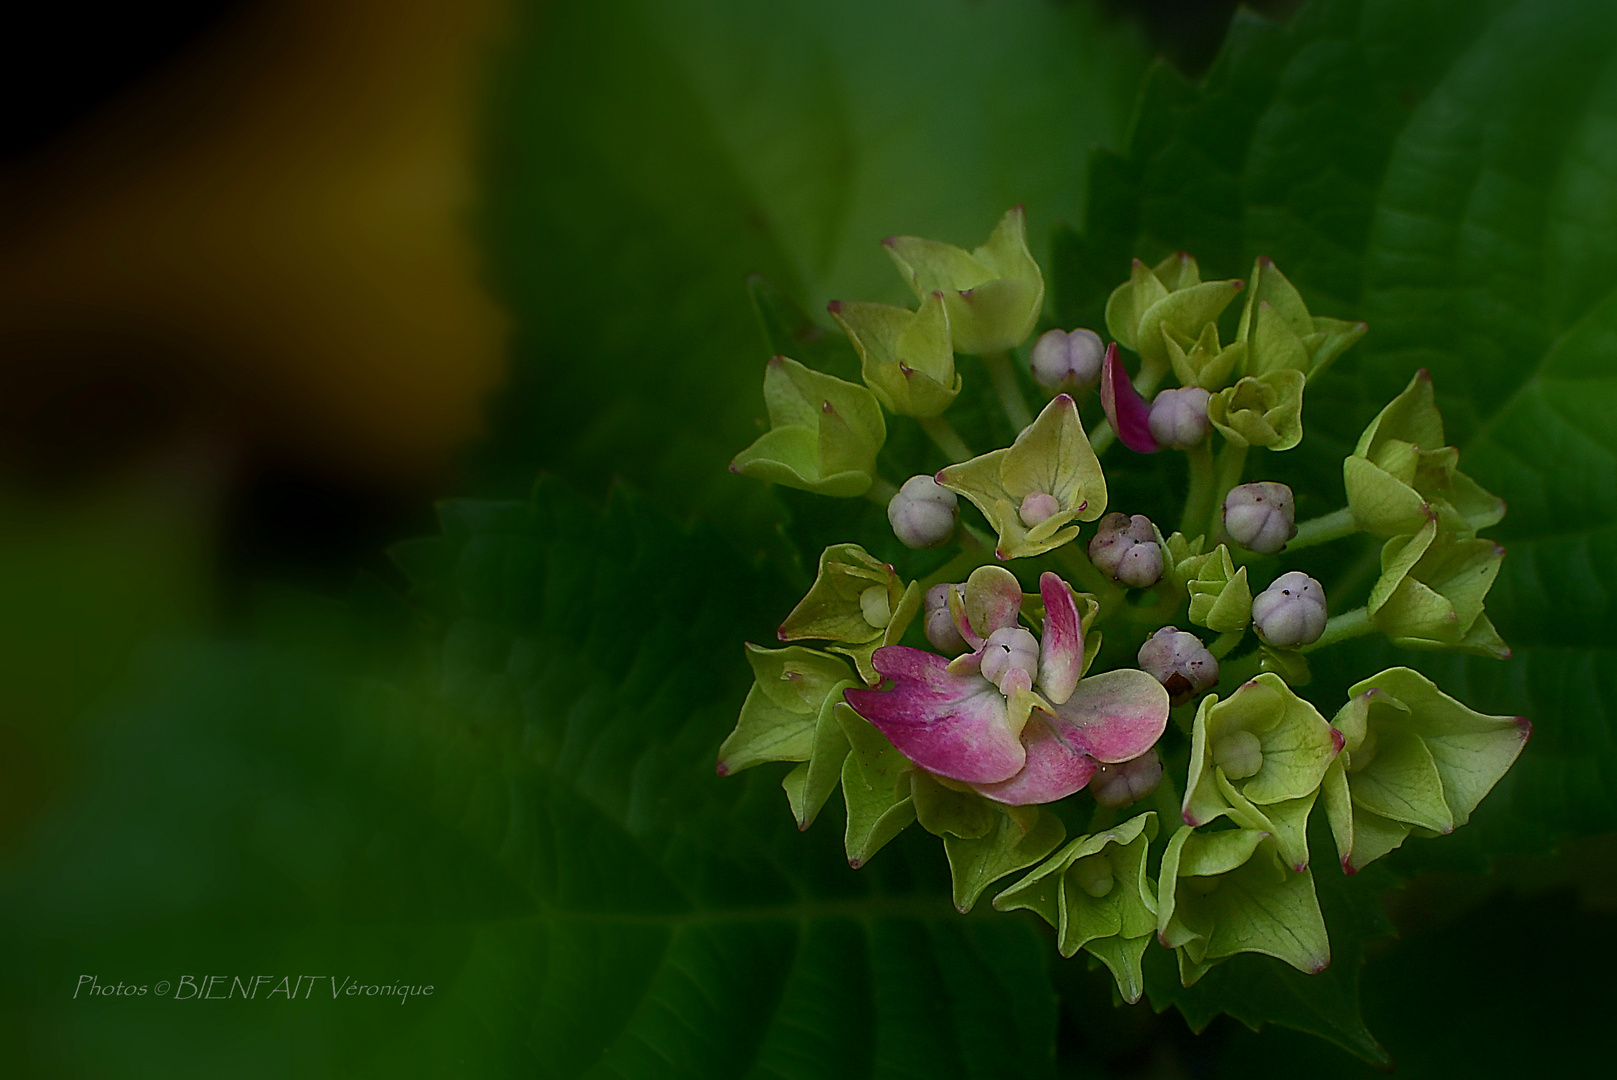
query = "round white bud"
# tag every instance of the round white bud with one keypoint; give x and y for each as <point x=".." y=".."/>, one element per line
<point x="1063" y="362"/>
<point x="923" y="513"/>
<point x="1128" y="781"/>
<point x="1180" y="662"/>
<point x="1011" y="659"/>
<point x="1291" y="612"/>
<point x="1178" y="418"/>
<point x="1125" y="549"/>
<point x="1260" y="517"/>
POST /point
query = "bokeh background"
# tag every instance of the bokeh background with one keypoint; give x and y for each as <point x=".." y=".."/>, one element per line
<point x="277" y="276"/>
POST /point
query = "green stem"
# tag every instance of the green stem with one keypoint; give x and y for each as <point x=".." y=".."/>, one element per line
<point x="971" y="556"/>
<point x="1323" y="529"/>
<point x="881" y="491"/>
<point x="1226" y="474"/>
<point x="1010" y="394"/>
<point x="947" y="439"/>
<point x="1351" y="624"/>
<point x="1198" y="501"/>
<point x="1222" y="645"/>
<point x="1239" y="671"/>
<point x="1167" y="799"/>
<point x="1102" y="819"/>
<point x="1078" y="564"/>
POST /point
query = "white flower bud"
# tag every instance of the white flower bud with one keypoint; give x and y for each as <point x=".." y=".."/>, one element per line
<point x="1011" y="659"/>
<point x="1037" y="506"/>
<point x="940" y="628"/>
<point x="1125" y="549"/>
<point x="1290" y="612"/>
<point x="1094" y="874"/>
<point x="1260" y="517"/>
<point x="1180" y="662"/>
<point x="923" y="513"/>
<point x="1063" y="362"/>
<point x="1239" y="754"/>
<point x="1128" y="781"/>
<point x="1178" y="418"/>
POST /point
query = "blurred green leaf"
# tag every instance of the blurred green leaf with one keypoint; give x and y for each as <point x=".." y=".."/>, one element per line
<point x="522" y="811"/>
<point x="643" y="158"/>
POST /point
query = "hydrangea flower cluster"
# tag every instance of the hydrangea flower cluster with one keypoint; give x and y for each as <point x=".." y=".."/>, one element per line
<point x="982" y="701"/>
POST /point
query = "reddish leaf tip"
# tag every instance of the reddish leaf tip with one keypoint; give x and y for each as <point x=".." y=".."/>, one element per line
<point x="780" y="632"/>
<point x="834" y="306"/>
<point x="1338" y="739"/>
<point x="856" y="863"/>
<point x="721" y="767"/>
<point x="1188" y="818"/>
<point x="735" y="468"/>
<point x="1347" y="865"/>
<point x="777" y="360"/>
<point x="1264" y="260"/>
<point x="1525" y="726"/>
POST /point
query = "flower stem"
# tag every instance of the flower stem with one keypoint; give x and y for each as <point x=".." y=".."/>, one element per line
<point x="947" y="439"/>
<point x="1078" y="564"/>
<point x="1198" y="501"/>
<point x="1323" y="529"/>
<point x="1010" y="394"/>
<point x="881" y="491"/>
<point x="1222" y="645"/>
<point x="1351" y="624"/>
<point x="1226" y="474"/>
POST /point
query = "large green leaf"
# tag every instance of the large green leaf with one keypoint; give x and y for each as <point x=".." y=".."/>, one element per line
<point x="644" y="157"/>
<point x="521" y="810"/>
<point x="1446" y="171"/>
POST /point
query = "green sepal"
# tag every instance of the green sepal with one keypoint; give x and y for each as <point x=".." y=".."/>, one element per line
<point x="908" y="605"/>
<point x="1401" y="474"/>
<point x="1286" y="821"/>
<point x="1281" y="334"/>
<point x="1051" y="455"/>
<point x="941" y="808"/>
<point x="1228" y="892"/>
<point x="1289" y="664"/>
<point x="906" y="357"/>
<point x="1202" y="361"/>
<point x="1220" y="598"/>
<point x="781" y="712"/>
<point x="832" y="610"/>
<point x="1296" y="744"/>
<point x="1413" y="758"/>
<point x="823" y="433"/>
<point x="811" y="783"/>
<point x="1264" y="410"/>
<point x="993" y="295"/>
<point x="1167" y="301"/>
<point x="1020" y="837"/>
<point x="1432" y="589"/>
<point x="1113" y="927"/>
<point x="875" y="787"/>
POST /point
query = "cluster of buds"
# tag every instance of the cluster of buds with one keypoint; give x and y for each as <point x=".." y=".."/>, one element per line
<point x="983" y="699"/>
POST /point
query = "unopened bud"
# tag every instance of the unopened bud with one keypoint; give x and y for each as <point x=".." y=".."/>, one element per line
<point x="1239" y="754"/>
<point x="876" y="606"/>
<point x="1037" y="507"/>
<point x="1064" y="362"/>
<point x="1011" y="659"/>
<point x="1179" y="417"/>
<point x="940" y="628"/>
<point x="1291" y="612"/>
<point x="923" y="513"/>
<point x="1128" y="781"/>
<point x="1260" y="517"/>
<point x="1125" y="549"/>
<point x="1093" y="874"/>
<point x="1180" y="662"/>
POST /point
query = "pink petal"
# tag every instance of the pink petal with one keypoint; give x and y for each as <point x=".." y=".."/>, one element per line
<point x="1125" y="408"/>
<point x="955" y="725"/>
<point x="1115" y="716"/>
<point x="1054" y="770"/>
<point x="1061" y="652"/>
